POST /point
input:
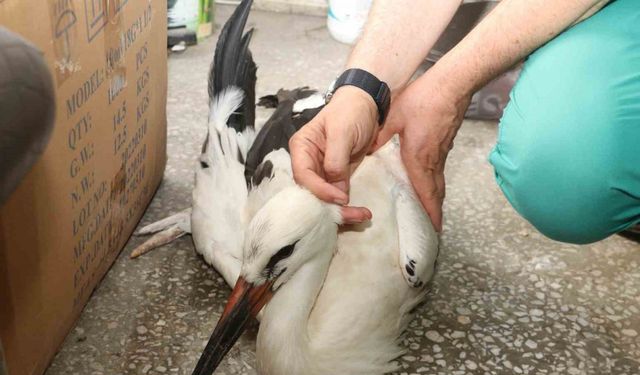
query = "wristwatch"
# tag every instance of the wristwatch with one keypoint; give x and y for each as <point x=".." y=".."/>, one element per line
<point x="366" y="81"/>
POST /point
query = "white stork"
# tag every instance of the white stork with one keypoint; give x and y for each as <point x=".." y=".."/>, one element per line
<point x="337" y="297"/>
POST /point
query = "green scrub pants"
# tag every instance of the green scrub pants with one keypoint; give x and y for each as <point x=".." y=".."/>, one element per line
<point x="568" y="150"/>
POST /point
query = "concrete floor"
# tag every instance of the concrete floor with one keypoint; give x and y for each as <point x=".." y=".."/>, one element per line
<point x="506" y="300"/>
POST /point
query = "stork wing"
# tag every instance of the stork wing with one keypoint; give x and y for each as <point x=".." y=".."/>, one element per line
<point x="282" y="124"/>
<point x="417" y="238"/>
<point x="218" y="216"/>
<point x="219" y="198"/>
<point x="239" y="171"/>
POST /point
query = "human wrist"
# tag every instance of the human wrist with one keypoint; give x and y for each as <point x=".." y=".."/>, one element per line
<point x="434" y="95"/>
<point x="453" y="78"/>
<point x="368" y="83"/>
<point x="383" y="73"/>
<point x="357" y="98"/>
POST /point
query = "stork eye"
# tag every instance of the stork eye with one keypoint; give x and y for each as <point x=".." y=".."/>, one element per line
<point x="283" y="253"/>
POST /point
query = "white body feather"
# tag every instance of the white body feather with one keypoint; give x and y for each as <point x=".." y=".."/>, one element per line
<point x="353" y="324"/>
<point x="219" y="195"/>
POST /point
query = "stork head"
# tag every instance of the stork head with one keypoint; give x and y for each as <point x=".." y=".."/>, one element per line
<point x="292" y="228"/>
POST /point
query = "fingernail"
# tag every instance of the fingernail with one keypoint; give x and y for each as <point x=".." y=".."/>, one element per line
<point x="341" y="201"/>
<point x="342" y="185"/>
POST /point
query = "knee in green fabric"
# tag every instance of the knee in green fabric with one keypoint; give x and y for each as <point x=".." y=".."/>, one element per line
<point x="567" y="153"/>
<point x="575" y="215"/>
<point x="558" y="174"/>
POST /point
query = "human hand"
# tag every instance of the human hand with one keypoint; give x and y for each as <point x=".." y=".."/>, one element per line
<point x="427" y="117"/>
<point x="326" y="150"/>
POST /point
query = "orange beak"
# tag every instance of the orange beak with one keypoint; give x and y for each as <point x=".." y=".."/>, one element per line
<point x="246" y="300"/>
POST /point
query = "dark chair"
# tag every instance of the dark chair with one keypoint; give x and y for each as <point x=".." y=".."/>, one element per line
<point x="27" y="109"/>
<point x="27" y="113"/>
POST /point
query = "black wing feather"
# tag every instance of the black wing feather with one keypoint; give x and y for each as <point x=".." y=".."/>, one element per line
<point x="275" y="133"/>
<point x="233" y="65"/>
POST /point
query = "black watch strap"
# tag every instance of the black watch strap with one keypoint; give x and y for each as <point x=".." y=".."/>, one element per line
<point x="366" y="81"/>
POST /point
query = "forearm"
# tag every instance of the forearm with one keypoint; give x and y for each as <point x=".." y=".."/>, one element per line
<point x="398" y="35"/>
<point x="513" y="30"/>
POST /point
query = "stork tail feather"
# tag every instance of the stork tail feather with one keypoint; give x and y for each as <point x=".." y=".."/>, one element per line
<point x="233" y="66"/>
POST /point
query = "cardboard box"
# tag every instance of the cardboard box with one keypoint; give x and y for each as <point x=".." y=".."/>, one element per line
<point x="66" y="223"/>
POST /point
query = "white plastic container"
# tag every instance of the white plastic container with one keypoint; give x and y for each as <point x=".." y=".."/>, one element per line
<point x="346" y="19"/>
<point x="182" y="13"/>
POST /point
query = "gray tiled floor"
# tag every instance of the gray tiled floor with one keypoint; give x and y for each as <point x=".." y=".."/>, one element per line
<point x="505" y="300"/>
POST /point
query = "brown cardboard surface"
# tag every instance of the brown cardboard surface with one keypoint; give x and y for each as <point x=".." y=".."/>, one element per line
<point x="66" y="223"/>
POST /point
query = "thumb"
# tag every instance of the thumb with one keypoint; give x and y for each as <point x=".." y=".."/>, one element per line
<point x="392" y="125"/>
<point x="384" y="135"/>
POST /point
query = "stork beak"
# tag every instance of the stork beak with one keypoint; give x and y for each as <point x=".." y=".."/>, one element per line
<point x="246" y="300"/>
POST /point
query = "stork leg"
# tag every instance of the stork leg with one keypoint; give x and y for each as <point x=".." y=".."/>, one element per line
<point x="157" y="240"/>
<point x="164" y="231"/>
<point x="182" y="219"/>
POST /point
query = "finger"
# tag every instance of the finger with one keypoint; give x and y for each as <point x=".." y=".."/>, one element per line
<point x="306" y="162"/>
<point x="434" y="210"/>
<point x="426" y="187"/>
<point x="336" y="160"/>
<point x="432" y="203"/>
<point x="392" y="124"/>
<point x="384" y="135"/>
<point x="355" y="215"/>
<point x="322" y="189"/>
<point x="319" y="187"/>
<point x="354" y="165"/>
<point x="440" y="183"/>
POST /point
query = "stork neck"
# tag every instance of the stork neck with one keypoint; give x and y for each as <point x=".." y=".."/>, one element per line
<point x="283" y="340"/>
